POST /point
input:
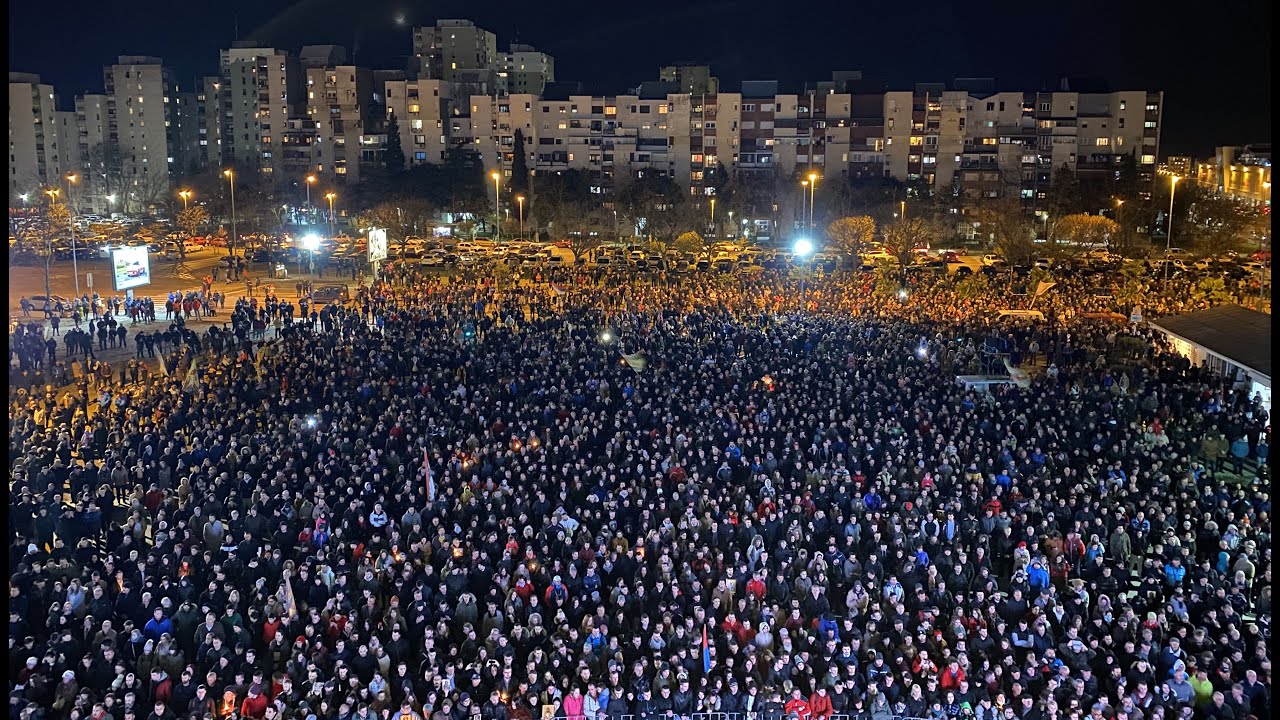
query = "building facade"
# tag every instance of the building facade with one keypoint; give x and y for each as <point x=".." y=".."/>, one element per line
<point x="36" y="155"/>
<point x="137" y="89"/>
<point x="1240" y="172"/>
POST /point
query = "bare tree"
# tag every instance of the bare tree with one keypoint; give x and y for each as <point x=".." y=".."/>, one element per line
<point x="853" y="234"/>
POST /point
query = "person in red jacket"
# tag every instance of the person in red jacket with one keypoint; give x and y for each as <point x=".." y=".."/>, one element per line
<point x="820" y="705"/>
<point x="756" y="587"/>
<point x="254" y="706"/>
<point x="798" y="705"/>
<point x="952" y="676"/>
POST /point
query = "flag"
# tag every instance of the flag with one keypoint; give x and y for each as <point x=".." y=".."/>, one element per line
<point x="431" y="480"/>
<point x="164" y="367"/>
<point x="558" y="288"/>
<point x="1020" y="377"/>
<point x="290" y="603"/>
<point x="636" y="361"/>
<point x="193" y="378"/>
<point x="706" y="651"/>
<point x="1043" y="287"/>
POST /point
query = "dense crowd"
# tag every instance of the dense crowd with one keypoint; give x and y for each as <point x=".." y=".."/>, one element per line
<point x="588" y="497"/>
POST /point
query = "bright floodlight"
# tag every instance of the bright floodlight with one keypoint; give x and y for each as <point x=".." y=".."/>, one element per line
<point x="902" y="294"/>
<point x="311" y="422"/>
<point x="606" y="336"/>
<point x="922" y="352"/>
<point x="311" y="241"/>
<point x="804" y="247"/>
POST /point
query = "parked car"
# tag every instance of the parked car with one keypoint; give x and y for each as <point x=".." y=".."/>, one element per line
<point x="330" y="293"/>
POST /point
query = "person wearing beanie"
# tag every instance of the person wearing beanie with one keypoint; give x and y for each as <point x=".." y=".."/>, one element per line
<point x="255" y="705"/>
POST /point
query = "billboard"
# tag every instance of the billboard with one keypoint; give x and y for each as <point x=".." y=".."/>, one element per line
<point x="130" y="267"/>
<point x="377" y="244"/>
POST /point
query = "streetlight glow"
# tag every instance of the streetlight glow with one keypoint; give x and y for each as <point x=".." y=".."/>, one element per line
<point x="804" y="247"/>
<point x="311" y="241"/>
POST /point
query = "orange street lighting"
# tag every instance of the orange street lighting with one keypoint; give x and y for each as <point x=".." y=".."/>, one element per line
<point x="186" y="197"/>
<point x="231" y="177"/>
<point x="520" y="202"/>
<point x="497" y="205"/>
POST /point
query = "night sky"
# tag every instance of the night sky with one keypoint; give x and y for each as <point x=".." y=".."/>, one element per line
<point x="1213" y="60"/>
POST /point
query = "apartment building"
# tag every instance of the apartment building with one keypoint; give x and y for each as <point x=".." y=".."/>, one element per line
<point x="691" y="79"/>
<point x="137" y="89"/>
<point x="423" y="109"/>
<point x="35" y="156"/>
<point x="264" y="89"/>
<point x="213" y="107"/>
<point x="459" y="52"/>
<point x="340" y="102"/>
<point x="523" y="70"/>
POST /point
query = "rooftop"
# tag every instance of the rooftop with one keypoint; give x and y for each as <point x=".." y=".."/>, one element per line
<point x="1239" y="334"/>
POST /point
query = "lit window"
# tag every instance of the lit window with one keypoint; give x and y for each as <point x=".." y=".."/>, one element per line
<point x="1152" y="107"/>
<point x="917" y="140"/>
<point x="414" y="108"/>
<point x="1149" y="124"/>
<point x="1148" y="159"/>
<point x="988" y="141"/>
<point x="1103" y="142"/>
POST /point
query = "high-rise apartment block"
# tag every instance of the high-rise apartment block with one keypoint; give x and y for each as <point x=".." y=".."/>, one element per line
<point x="36" y="158"/>
<point x="264" y="90"/>
<point x="459" y="52"/>
<point x="274" y="113"/>
<point x="340" y="102"/>
<point x="524" y="70"/>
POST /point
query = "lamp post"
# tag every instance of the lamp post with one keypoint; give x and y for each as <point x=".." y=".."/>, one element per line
<point x="71" y="214"/>
<point x="311" y="180"/>
<point x="186" y="197"/>
<point x="231" y="176"/>
<point x="813" y="192"/>
<point x="497" y="205"/>
<point x="803" y="249"/>
<point x="804" y="190"/>
<point x="48" y="246"/>
<point x="520" y="204"/>
<point x="713" y="217"/>
<point x="1168" y="238"/>
<point x="331" y="196"/>
<point x="733" y="228"/>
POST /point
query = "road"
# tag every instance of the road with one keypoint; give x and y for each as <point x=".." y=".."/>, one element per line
<point x="166" y="277"/>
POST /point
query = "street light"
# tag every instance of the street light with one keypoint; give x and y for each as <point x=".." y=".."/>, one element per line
<point x="311" y="242"/>
<point x="803" y="249"/>
<point x="804" y="190"/>
<point x="1168" y="238"/>
<point x="186" y="197"/>
<point x="75" y="264"/>
<point x="713" y="217"/>
<point x="24" y="197"/>
<point x="520" y="203"/>
<point x="813" y="191"/>
<point x="231" y="176"/>
<point x="311" y="180"/>
<point x="331" y="196"/>
<point x="497" y="205"/>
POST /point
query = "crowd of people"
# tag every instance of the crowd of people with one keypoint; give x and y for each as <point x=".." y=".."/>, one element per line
<point x="759" y="498"/>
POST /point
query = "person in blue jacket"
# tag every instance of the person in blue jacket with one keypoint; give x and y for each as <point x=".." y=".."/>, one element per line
<point x="1174" y="572"/>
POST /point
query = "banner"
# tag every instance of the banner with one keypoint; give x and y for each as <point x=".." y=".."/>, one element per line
<point x="431" y="480"/>
<point x="1043" y="287"/>
<point x="636" y="361"/>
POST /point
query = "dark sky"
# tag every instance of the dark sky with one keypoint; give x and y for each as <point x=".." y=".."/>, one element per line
<point x="1213" y="59"/>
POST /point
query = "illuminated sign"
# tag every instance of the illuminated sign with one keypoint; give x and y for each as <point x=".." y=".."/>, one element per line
<point x="377" y="244"/>
<point x="130" y="267"/>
